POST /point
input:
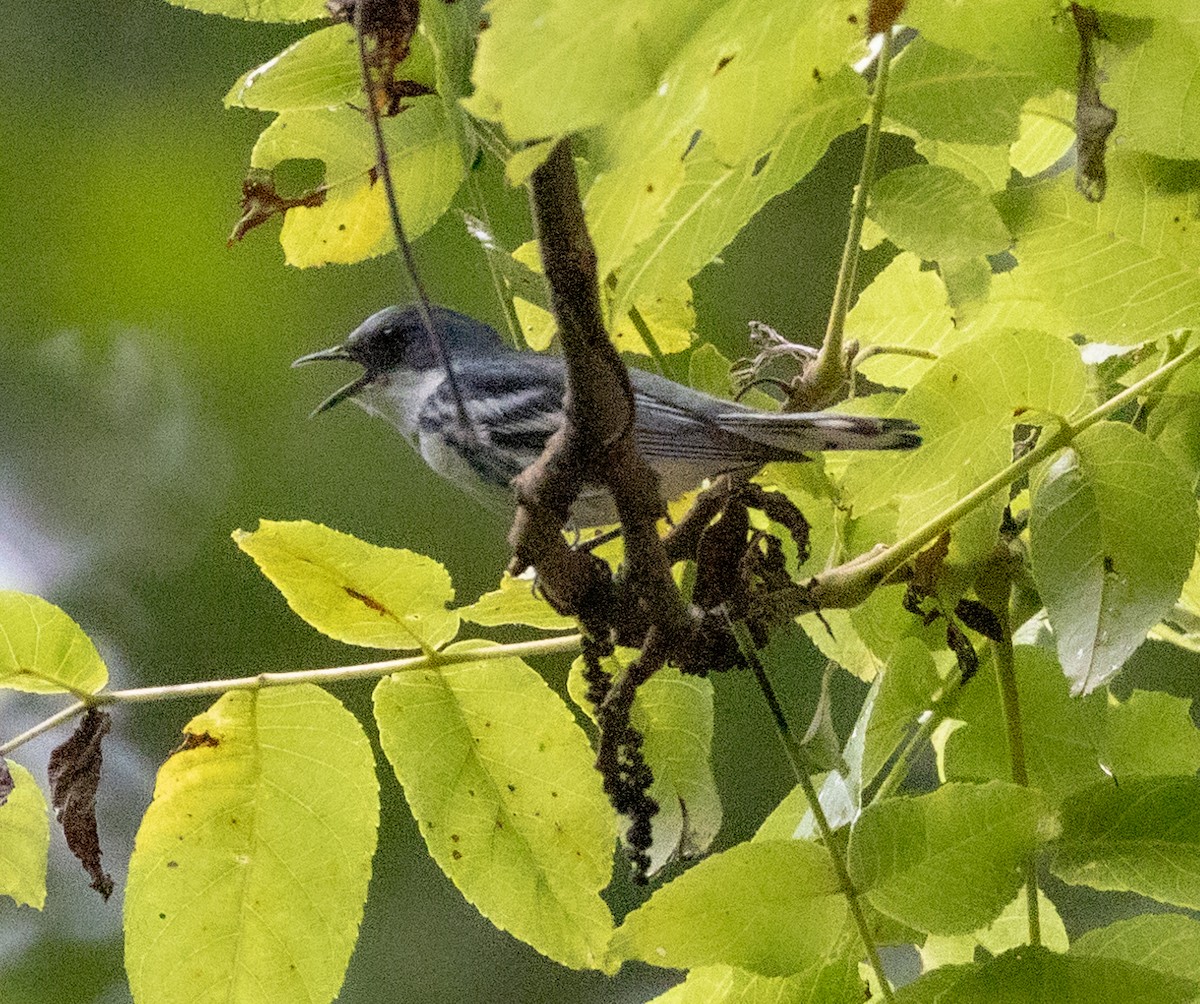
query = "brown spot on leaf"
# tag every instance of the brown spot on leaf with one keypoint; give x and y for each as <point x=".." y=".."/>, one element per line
<point x="723" y="62"/>
<point x="365" y="600"/>
<point x="881" y="15"/>
<point x="193" y="740"/>
<point x="74" y="773"/>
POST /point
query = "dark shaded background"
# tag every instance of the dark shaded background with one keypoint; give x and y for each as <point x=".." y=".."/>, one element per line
<point x="147" y="409"/>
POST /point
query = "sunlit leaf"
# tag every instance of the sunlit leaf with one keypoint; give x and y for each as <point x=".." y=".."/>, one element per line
<point x="937" y="213"/>
<point x="1105" y="571"/>
<point x="1030" y="975"/>
<point x="1124" y="270"/>
<point x="1009" y="930"/>
<point x="43" y="651"/>
<point x="1154" y="89"/>
<point x="1175" y="417"/>
<point x="501" y="782"/>
<point x="1141" y="835"/>
<point x="950" y="861"/>
<point x="321" y="70"/>
<point x="834" y="982"/>
<point x="1166" y="942"/>
<point x="251" y="865"/>
<point x="1063" y="736"/>
<point x="426" y="157"/>
<point x="1024" y="35"/>
<point x="908" y="686"/>
<point x="1047" y="132"/>
<point x="674" y="714"/>
<point x="772" y="907"/>
<point x="903" y="307"/>
<point x="966" y="404"/>
<point x="260" y="10"/>
<point x="986" y="167"/>
<point x="946" y="94"/>
<point x="516" y="601"/>
<point x="380" y="597"/>
<point x="24" y="840"/>
<point x="1152" y="733"/>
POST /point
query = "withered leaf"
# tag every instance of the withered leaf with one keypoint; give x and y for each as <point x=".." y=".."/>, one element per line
<point x="981" y="618"/>
<point x="74" y="773"/>
<point x="964" y="652"/>
<point x="388" y="27"/>
<point x="1094" y="120"/>
<point x="882" y="14"/>
<point x="260" y="201"/>
<point x="6" y="781"/>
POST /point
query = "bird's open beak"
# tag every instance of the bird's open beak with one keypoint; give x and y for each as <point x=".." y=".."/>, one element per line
<point x="337" y="354"/>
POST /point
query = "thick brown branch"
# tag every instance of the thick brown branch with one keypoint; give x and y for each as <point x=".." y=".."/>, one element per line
<point x="596" y="444"/>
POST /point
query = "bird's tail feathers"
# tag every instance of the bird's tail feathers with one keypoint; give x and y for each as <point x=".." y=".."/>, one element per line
<point x="808" y="432"/>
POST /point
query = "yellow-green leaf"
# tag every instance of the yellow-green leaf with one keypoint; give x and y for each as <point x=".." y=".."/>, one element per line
<point x="251" y="866"/>
<point x="500" y="780"/>
<point x="24" y="840"/>
<point x="43" y="651"/>
<point x="378" y="597"/>
<point x="516" y="601"/>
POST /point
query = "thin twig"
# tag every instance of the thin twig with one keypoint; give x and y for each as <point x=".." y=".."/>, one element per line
<point x="424" y="306"/>
<point x="798" y="762"/>
<point x="336" y="674"/>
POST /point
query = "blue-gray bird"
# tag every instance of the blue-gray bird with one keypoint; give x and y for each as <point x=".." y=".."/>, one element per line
<point x="514" y="400"/>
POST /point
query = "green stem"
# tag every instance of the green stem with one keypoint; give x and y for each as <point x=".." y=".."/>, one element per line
<point x="1006" y="680"/>
<point x="479" y="204"/>
<point x="828" y="372"/>
<point x="797" y="760"/>
<point x="336" y="674"/>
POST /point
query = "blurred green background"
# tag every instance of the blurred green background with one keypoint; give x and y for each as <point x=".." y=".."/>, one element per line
<point x="147" y="409"/>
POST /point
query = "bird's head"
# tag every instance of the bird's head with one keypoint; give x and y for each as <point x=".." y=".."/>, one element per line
<point x="396" y="339"/>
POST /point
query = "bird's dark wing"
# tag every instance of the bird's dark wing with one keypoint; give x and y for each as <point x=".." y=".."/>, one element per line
<point x="514" y="408"/>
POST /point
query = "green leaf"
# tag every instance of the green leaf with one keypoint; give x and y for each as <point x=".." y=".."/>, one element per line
<point x="772" y="907"/>
<point x="674" y="714"/>
<point x="966" y="404"/>
<point x="260" y="10"/>
<point x="426" y="151"/>
<point x="1142" y="836"/>
<point x="1064" y="737"/>
<point x="321" y="71"/>
<point x="1123" y="270"/>
<point x="1019" y="34"/>
<point x="1152" y="733"/>
<point x="986" y="167"/>
<point x="904" y="306"/>
<point x="545" y="69"/>
<point x="43" y="651"/>
<point x="1047" y="132"/>
<point x="1009" y="930"/>
<point x="24" y="840"/>
<point x="1174" y="418"/>
<point x="1104" y="568"/>
<point x="1154" y="89"/>
<point x="834" y="982"/>
<point x="516" y="601"/>
<point x="1168" y="943"/>
<point x="947" y="862"/>
<point x="909" y="685"/>
<point x="715" y="198"/>
<point x="251" y="865"/>
<point x="1037" y="975"/>
<point x="949" y="95"/>
<point x="937" y="213"/>
<point x="378" y="597"/>
<point x="500" y="780"/>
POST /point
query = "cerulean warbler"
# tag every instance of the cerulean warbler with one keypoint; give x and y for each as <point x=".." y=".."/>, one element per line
<point x="515" y="401"/>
